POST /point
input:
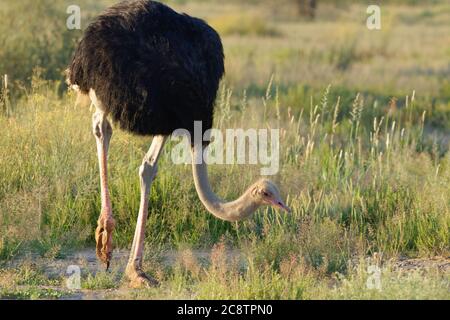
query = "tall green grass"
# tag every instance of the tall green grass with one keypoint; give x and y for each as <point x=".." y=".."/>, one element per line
<point x="356" y="184"/>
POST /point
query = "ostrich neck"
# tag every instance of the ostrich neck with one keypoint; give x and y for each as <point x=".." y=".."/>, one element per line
<point x="235" y="210"/>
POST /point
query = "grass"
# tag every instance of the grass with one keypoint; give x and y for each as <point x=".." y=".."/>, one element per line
<point x="364" y="165"/>
<point x="101" y="280"/>
<point x="226" y="274"/>
<point x="243" y="25"/>
<point x="394" y="285"/>
<point x="356" y="187"/>
<point x="31" y="294"/>
<point x="344" y="171"/>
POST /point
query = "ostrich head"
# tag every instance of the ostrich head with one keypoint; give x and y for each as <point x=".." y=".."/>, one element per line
<point x="261" y="193"/>
<point x="266" y="192"/>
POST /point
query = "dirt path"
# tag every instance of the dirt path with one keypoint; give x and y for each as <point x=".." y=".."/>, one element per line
<point x="441" y="263"/>
<point x="87" y="263"/>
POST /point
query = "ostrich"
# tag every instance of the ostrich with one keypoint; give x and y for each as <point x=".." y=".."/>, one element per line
<point x="152" y="71"/>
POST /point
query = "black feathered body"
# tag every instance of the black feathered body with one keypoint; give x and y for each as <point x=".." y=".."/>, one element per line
<point x="154" y="70"/>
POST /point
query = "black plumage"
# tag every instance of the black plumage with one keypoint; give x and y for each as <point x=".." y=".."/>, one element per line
<point x="154" y="70"/>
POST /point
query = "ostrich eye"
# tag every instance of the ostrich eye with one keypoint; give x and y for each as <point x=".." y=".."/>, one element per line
<point x="266" y="194"/>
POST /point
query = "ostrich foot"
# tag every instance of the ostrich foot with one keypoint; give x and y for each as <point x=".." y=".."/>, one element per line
<point x="103" y="238"/>
<point x="138" y="279"/>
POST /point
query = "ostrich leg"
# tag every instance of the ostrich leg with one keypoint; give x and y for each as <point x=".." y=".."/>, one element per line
<point x="147" y="173"/>
<point x="105" y="225"/>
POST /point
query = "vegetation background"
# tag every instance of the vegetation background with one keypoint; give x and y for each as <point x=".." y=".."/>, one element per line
<point x="365" y="129"/>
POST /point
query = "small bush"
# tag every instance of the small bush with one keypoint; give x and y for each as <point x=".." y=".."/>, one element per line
<point x="101" y="280"/>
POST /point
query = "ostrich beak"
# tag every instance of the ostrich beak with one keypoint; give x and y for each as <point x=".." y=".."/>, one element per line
<point x="280" y="205"/>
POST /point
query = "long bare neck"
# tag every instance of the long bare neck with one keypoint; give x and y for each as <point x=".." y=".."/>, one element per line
<point x="236" y="210"/>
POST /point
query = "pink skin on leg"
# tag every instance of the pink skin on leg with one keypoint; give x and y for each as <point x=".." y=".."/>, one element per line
<point x="147" y="173"/>
<point x="105" y="225"/>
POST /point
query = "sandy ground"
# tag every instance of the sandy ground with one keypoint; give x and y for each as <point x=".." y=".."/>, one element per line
<point x="87" y="262"/>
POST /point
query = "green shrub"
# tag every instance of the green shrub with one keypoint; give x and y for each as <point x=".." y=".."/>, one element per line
<point x="34" y="34"/>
